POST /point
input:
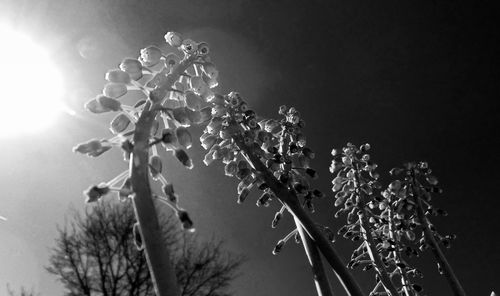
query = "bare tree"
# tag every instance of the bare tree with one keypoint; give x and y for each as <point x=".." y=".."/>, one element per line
<point x="97" y="254"/>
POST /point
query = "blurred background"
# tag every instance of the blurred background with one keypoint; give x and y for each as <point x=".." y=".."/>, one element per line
<point x="418" y="80"/>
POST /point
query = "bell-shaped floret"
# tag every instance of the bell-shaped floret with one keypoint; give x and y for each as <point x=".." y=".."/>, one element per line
<point x="168" y="137"/>
<point x="117" y="76"/>
<point x="193" y="101"/>
<point x="133" y="67"/>
<point x="203" y="49"/>
<point x="189" y="47"/>
<point x="114" y="90"/>
<point x="155" y="166"/>
<point x="184" y="158"/>
<point x="150" y="56"/>
<point x="94" y="193"/>
<point x="95" y="107"/>
<point x="174" y="39"/>
<point x="92" y="148"/>
<point x="181" y="116"/>
<point x="119" y="123"/>
<point x="171" y="60"/>
<point x="187" y="223"/>
<point x="184" y="137"/>
<point x="109" y="103"/>
<point x="198" y="85"/>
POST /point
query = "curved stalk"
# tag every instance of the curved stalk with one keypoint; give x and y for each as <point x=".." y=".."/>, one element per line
<point x="320" y="278"/>
<point x="157" y="253"/>
<point x="289" y="199"/>
<point x="448" y="272"/>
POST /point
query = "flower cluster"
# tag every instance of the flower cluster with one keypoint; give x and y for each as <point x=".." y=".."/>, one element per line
<point x="235" y="131"/>
<point x="412" y="199"/>
<point x="375" y="219"/>
<point x="177" y="86"/>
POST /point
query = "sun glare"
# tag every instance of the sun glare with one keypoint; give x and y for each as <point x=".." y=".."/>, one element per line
<point x="30" y="85"/>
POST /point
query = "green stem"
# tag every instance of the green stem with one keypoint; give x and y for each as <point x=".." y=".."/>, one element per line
<point x="448" y="272"/>
<point x="318" y="270"/>
<point x="289" y="199"/>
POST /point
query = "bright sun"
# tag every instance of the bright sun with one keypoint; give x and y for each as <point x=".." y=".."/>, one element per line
<point x="30" y="86"/>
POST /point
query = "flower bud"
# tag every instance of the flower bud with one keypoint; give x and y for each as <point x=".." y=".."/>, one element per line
<point x="276" y="220"/>
<point x="214" y="126"/>
<point x="119" y="123"/>
<point x="150" y="56"/>
<point x="230" y="169"/>
<point x="184" y="137"/>
<point x="180" y="115"/>
<point x="203" y="49"/>
<point x="174" y="39"/>
<point x="157" y="95"/>
<point x="365" y="147"/>
<point x="92" y="148"/>
<point x="109" y="103"/>
<point x="184" y="158"/>
<point x="118" y="76"/>
<point x="155" y="166"/>
<point x="205" y="114"/>
<point x="168" y="189"/>
<point x="189" y="47"/>
<point x="187" y="223"/>
<point x="209" y="157"/>
<point x="218" y="111"/>
<point x="95" y="107"/>
<point x="168" y="136"/>
<point x="114" y="90"/>
<point x="311" y="173"/>
<point x="198" y="85"/>
<point x="193" y="101"/>
<point x="171" y="60"/>
<point x="243" y="195"/>
<point x="278" y="247"/>
<point x="208" y="142"/>
<point x="264" y="199"/>
<point x="133" y="67"/>
<point x="242" y="173"/>
<point x="94" y="193"/>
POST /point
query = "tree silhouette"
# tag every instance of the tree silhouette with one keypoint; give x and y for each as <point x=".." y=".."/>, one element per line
<point x="95" y="254"/>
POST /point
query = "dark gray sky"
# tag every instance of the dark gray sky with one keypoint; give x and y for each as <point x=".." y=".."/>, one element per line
<point x="417" y="80"/>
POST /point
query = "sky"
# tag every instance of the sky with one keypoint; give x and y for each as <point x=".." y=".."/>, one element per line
<point x="418" y="80"/>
